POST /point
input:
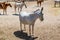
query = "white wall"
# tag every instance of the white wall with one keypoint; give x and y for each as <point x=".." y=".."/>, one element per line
<point x="6" y="0"/>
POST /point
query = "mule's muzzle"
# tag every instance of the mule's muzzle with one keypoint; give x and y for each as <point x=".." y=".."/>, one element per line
<point x="10" y="6"/>
<point x="42" y="19"/>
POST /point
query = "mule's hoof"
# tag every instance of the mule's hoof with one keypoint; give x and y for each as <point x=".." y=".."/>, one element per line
<point x="32" y="35"/>
<point x="24" y="30"/>
<point x="21" y="30"/>
<point x="54" y="6"/>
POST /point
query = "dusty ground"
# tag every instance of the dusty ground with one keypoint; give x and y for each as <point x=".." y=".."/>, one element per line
<point x="49" y="29"/>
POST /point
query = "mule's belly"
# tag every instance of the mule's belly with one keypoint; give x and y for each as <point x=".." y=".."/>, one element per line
<point x="19" y="5"/>
<point x="27" y="20"/>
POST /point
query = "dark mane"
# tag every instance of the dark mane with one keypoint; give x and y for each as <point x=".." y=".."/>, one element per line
<point x="36" y="10"/>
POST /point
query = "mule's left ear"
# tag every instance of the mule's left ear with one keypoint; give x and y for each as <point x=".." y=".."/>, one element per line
<point x="42" y="9"/>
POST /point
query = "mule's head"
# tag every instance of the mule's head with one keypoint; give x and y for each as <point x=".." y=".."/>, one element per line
<point x="41" y="17"/>
<point x="8" y="4"/>
<point x="39" y="14"/>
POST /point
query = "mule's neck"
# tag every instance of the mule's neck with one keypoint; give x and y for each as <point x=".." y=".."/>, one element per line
<point x="5" y="6"/>
<point x="35" y="17"/>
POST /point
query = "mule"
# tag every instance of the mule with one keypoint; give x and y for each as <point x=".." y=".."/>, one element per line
<point x="4" y="6"/>
<point x="30" y="18"/>
<point x="56" y="1"/>
<point x="19" y="5"/>
<point x="39" y="2"/>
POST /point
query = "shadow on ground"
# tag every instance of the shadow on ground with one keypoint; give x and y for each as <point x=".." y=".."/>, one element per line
<point x="23" y="35"/>
<point x="57" y="7"/>
<point x="16" y="14"/>
<point x="1" y="14"/>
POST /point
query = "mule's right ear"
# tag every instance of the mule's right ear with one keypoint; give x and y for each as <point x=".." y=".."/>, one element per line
<point x="42" y="9"/>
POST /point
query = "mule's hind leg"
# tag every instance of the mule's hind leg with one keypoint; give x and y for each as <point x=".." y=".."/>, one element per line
<point x="59" y="3"/>
<point x="3" y="11"/>
<point x="29" y="30"/>
<point x="20" y="26"/>
<point x="18" y="10"/>
<point x="25" y="6"/>
<point x="15" y="8"/>
<point x="55" y="4"/>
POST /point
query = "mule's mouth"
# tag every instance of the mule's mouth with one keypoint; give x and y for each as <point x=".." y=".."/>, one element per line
<point x="42" y="19"/>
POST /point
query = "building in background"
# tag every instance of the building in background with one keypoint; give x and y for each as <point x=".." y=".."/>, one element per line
<point x="13" y="0"/>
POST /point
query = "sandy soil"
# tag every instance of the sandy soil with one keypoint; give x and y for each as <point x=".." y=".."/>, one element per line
<point x="49" y="29"/>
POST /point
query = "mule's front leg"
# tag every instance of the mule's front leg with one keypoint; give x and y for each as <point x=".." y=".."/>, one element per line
<point x="32" y="29"/>
<point x="40" y="3"/>
<point x="3" y="11"/>
<point x="20" y="9"/>
<point x="15" y="8"/>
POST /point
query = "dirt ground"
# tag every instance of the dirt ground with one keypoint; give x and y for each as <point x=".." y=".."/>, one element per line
<point x="49" y="29"/>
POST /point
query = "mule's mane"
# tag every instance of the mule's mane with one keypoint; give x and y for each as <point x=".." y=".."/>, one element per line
<point x="36" y="10"/>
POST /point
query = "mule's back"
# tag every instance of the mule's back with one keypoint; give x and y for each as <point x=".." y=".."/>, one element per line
<point x="1" y="6"/>
<point x="40" y="0"/>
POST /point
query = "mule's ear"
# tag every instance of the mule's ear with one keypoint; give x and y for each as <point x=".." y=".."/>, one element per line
<point x="42" y="9"/>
